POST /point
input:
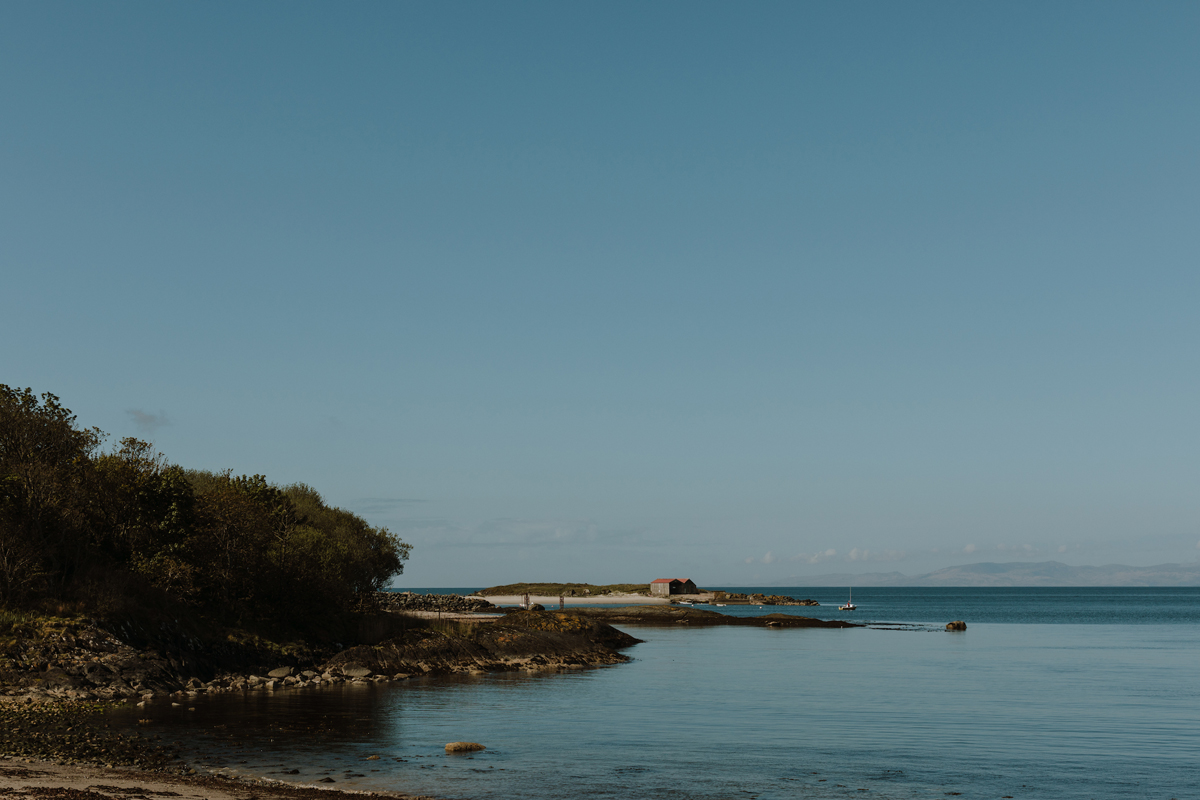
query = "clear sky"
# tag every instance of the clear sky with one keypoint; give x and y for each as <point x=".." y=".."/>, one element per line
<point x="617" y="291"/>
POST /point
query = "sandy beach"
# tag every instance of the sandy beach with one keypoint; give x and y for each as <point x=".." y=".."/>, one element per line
<point x="551" y="601"/>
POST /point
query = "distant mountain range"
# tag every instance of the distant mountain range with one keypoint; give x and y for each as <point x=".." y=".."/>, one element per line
<point x="1017" y="573"/>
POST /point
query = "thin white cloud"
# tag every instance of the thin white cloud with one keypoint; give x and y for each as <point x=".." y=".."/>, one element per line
<point x="815" y="558"/>
<point x="147" y="423"/>
<point x="970" y="549"/>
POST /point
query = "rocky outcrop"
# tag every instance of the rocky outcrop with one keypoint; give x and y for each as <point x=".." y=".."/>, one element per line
<point x="75" y="660"/>
<point x="957" y="625"/>
<point x="521" y="640"/>
<point x="464" y="747"/>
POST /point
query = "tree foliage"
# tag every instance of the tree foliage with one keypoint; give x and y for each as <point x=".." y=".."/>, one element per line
<point x="234" y="546"/>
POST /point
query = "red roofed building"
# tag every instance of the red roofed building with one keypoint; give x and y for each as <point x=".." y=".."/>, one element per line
<point x="669" y="586"/>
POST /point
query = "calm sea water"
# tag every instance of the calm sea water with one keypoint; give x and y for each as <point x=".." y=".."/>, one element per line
<point x="1050" y="693"/>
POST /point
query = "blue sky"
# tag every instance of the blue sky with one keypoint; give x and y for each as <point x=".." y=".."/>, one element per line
<point x="614" y="291"/>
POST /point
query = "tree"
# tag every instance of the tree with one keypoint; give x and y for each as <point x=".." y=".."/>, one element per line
<point x="45" y="472"/>
<point x="237" y="547"/>
<point x="146" y="509"/>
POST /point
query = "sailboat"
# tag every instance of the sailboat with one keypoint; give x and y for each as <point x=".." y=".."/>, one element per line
<point x="849" y="603"/>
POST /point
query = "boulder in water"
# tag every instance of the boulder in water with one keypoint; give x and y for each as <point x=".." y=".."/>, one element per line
<point x="957" y="625"/>
<point x="464" y="747"/>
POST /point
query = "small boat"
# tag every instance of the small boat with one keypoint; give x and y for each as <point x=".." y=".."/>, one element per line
<point x="686" y="603"/>
<point x="849" y="603"/>
<point x="720" y="605"/>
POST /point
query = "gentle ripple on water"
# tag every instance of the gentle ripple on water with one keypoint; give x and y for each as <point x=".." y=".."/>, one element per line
<point x="1052" y="710"/>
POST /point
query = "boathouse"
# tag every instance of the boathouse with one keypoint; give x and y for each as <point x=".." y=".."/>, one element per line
<point x="669" y="586"/>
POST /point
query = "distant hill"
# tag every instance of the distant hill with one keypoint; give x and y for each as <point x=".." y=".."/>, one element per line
<point x="1017" y="573"/>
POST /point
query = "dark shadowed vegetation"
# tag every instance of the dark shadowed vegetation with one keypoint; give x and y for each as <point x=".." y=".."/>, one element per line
<point x="104" y="531"/>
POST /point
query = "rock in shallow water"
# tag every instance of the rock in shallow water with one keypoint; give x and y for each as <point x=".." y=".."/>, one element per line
<point x="464" y="747"/>
<point x="957" y="625"/>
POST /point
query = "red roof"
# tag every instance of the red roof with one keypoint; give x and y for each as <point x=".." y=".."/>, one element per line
<point x="670" y="580"/>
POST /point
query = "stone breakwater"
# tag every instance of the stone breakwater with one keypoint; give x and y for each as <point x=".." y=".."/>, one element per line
<point x="780" y="600"/>
<point x="768" y="599"/>
<point x="411" y="601"/>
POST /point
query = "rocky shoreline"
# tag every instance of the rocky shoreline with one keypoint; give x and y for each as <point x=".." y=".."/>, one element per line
<point x="57" y="683"/>
<point x="84" y="661"/>
<point x="519" y="640"/>
<point x="55" y="687"/>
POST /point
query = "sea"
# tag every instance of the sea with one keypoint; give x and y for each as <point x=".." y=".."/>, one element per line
<point x="1049" y="693"/>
